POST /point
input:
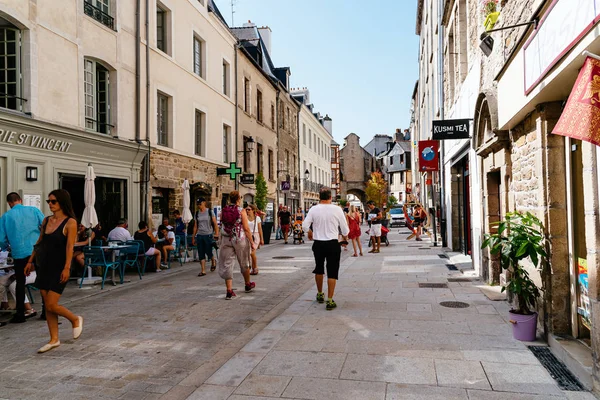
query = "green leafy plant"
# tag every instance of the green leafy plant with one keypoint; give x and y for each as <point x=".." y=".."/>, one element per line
<point x="261" y="192"/>
<point x="391" y="201"/>
<point x="377" y="189"/>
<point x="518" y="237"/>
<point x="343" y="202"/>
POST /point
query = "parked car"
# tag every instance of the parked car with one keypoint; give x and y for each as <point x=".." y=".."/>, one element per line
<point x="397" y="217"/>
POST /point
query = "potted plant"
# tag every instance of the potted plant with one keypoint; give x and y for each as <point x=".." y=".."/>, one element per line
<point x="490" y="13"/>
<point x="261" y="202"/>
<point x="520" y="237"/>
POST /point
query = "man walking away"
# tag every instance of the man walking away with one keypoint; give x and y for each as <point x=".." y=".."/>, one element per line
<point x="327" y="221"/>
<point x="375" y="231"/>
<point x="20" y="228"/>
<point x="284" y="222"/>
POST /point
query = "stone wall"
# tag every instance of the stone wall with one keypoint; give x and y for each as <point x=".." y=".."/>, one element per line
<point x="288" y="140"/>
<point x="355" y="166"/>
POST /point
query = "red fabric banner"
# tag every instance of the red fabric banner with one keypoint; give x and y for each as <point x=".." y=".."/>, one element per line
<point x="428" y="155"/>
<point x="581" y="117"/>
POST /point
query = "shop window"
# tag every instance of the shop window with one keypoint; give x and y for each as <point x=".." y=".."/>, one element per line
<point x="96" y="83"/>
<point x="162" y="122"/>
<point x="200" y="133"/>
<point x="100" y="11"/>
<point x="11" y="84"/>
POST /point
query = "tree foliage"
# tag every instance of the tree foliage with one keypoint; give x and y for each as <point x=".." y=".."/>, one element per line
<point x="377" y="189"/>
<point x="391" y="201"/>
<point x="261" y="192"/>
<point x="343" y="202"/>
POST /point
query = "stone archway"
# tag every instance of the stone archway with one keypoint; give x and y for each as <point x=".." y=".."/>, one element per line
<point x="359" y="193"/>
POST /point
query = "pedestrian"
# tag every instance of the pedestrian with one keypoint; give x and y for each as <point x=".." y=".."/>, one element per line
<point x="255" y="225"/>
<point x="375" y="229"/>
<point x="205" y="231"/>
<point x="420" y="216"/>
<point x="323" y="223"/>
<point x="235" y="244"/>
<point x="353" y="218"/>
<point x="52" y="255"/>
<point x="284" y="222"/>
<point x="278" y="233"/>
<point x="20" y="228"/>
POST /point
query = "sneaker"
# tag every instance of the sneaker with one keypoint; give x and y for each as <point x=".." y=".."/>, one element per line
<point x="330" y="305"/>
<point x="321" y="298"/>
<point x="164" y="265"/>
<point x="249" y="287"/>
<point x="230" y="295"/>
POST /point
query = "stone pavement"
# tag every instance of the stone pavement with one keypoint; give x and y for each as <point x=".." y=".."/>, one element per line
<point x="388" y="339"/>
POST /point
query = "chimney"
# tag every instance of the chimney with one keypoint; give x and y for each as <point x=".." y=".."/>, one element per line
<point x="265" y="34"/>
<point x="249" y="24"/>
<point x="327" y="124"/>
<point x="398" y="136"/>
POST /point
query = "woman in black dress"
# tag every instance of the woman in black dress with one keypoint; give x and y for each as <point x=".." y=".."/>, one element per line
<point x="53" y="254"/>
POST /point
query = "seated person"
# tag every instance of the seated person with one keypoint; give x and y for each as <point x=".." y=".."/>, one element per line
<point x="165" y="222"/>
<point x="8" y="283"/>
<point x="82" y="240"/>
<point x="146" y="237"/>
<point x="120" y="233"/>
<point x="165" y="243"/>
<point x="99" y="234"/>
<point x="179" y="224"/>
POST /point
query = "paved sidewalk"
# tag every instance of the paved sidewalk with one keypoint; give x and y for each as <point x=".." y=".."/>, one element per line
<point x="388" y="339"/>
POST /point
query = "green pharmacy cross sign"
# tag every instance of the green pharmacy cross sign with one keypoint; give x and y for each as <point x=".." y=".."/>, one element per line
<point x="233" y="171"/>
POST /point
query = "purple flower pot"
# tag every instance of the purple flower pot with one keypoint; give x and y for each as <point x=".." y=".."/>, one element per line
<point x="524" y="326"/>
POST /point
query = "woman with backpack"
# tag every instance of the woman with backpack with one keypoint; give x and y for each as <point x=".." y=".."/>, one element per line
<point x="206" y="230"/>
<point x="255" y="224"/>
<point x="236" y="242"/>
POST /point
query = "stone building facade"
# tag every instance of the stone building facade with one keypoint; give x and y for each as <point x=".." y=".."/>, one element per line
<point x="287" y="141"/>
<point x="356" y="166"/>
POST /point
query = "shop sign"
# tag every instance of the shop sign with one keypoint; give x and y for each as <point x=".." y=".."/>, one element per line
<point x="584" y="306"/>
<point x="285" y="185"/>
<point x="233" y="171"/>
<point x="428" y="155"/>
<point x="449" y="129"/>
<point x="247" y="179"/>
<point x="35" y="141"/>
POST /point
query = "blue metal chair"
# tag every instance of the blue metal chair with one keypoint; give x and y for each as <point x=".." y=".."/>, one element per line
<point x="95" y="257"/>
<point x="129" y="257"/>
<point x="142" y="254"/>
<point x="176" y="252"/>
<point x="30" y="287"/>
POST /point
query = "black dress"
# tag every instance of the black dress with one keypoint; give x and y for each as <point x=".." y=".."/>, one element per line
<point x="53" y="246"/>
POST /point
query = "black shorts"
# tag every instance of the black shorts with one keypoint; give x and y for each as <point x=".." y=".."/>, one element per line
<point x="329" y="251"/>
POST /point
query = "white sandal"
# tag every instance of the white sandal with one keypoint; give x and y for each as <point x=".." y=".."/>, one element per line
<point x="48" y="347"/>
<point x="77" y="331"/>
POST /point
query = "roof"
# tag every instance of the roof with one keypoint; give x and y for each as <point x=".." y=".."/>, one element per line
<point x="212" y="7"/>
<point x="405" y="145"/>
<point x="250" y="38"/>
<point x="334" y="143"/>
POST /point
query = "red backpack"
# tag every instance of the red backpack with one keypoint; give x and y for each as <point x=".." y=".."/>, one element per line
<point x="231" y="221"/>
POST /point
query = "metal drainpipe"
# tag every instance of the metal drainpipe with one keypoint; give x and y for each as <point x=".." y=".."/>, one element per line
<point x="277" y="188"/>
<point x="236" y="48"/>
<point x="441" y="31"/>
<point x="147" y="180"/>
<point x="138" y="35"/>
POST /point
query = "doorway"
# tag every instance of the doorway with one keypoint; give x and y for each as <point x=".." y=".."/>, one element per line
<point x="493" y="208"/>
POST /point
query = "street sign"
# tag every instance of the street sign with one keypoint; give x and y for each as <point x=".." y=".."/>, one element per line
<point x="451" y="129"/>
<point x="428" y="155"/>
<point x="285" y="185"/>
<point x="233" y="171"/>
<point x="247" y="179"/>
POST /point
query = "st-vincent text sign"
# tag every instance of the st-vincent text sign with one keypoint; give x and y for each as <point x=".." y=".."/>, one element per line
<point x="451" y="129"/>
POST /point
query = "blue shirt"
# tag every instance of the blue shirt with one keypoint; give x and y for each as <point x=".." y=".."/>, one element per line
<point x="20" y="227"/>
<point x="179" y="226"/>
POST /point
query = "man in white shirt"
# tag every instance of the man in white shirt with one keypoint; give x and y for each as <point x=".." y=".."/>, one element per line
<point x="120" y="233"/>
<point x="324" y="222"/>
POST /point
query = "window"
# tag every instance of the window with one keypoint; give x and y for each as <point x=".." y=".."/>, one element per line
<point x="259" y="112"/>
<point x="226" y="130"/>
<point x="287" y="161"/>
<point x="272" y="116"/>
<point x="310" y="139"/>
<point x="198" y="59"/>
<point x="288" y="121"/>
<point x="161" y="29"/>
<point x="100" y="11"/>
<point x="271" y="163"/>
<point x="10" y="69"/>
<point x="199" y="130"/>
<point x="247" y="95"/>
<point x="315" y="141"/>
<point x="401" y="158"/>
<point x="96" y="97"/>
<point x="246" y="155"/>
<point x="304" y="135"/>
<point x="401" y="177"/>
<point x="259" y="158"/>
<point x="391" y="179"/>
<point x="391" y="160"/>
<point x="294" y="166"/>
<point x="304" y="169"/>
<point x="226" y="78"/>
<point x="162" y="122"/>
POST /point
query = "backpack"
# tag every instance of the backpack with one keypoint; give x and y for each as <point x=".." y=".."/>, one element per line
<point x="231" y="221"/>
<point x="210" y="216"/>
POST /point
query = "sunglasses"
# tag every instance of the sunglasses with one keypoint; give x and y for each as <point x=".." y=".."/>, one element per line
<point x="53" y="202"/>
<point x="248" y="209"/>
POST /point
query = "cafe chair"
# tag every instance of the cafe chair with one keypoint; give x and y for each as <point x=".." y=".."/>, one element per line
<point x="95" y="257"/>
<point x="30" y="287"/>
<point x="142" y="254"/>
<point x="129" y="257"/>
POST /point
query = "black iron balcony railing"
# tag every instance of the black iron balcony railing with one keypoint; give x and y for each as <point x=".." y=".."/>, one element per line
<point x="98" y="14"/>
<point x="312" y="187"/>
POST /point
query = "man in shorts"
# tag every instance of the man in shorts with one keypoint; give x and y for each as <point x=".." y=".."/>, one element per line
<point x="284" y="222"/>
<point x="324" y="222"/>
<point x="375" y="230"/>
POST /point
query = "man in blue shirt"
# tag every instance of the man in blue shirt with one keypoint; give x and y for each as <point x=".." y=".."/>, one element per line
<point x="20" y="228"/>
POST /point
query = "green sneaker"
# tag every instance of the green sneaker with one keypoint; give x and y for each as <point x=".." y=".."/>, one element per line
<point x="320" y="297"/>
<point x="330" y="305"/>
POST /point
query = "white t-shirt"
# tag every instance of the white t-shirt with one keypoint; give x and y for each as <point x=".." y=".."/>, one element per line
<point x="253" y="225"/>
<point x="170" y="235"/>
<point x="120" y="234"/>
<point x="327" y="221"/>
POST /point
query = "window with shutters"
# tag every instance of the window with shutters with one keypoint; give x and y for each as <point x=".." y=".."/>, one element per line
<point x="96" y="97"/>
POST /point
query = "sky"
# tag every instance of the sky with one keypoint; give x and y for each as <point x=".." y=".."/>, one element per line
<point x="358" y="58"/>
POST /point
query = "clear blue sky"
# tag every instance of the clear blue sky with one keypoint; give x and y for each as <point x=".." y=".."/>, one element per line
<point x="358" y="58"/>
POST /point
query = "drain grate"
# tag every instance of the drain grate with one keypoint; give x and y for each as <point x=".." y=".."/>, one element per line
<point x="434" y="285"/>
<point x="561" y="374"/>
<point x="460" y="280"/>
<point x="454" y="304"/>
<point x="451" y="267"/>
<point x="282" y="258"/>
<point x="442" y="256"/>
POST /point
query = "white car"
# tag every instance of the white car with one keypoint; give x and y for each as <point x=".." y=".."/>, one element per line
<point x="397" y="217"/>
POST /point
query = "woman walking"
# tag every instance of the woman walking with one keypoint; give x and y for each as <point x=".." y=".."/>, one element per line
<point x="205" y="232"/>
<point x="353" y="217"/>
<point x="53" y="254"/>
<point x="255" y="225"/>
<point x="235" y="243"/>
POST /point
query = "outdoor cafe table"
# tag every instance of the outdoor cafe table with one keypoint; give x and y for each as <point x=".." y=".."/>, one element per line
<point x="114" y="257"/>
